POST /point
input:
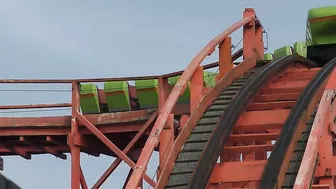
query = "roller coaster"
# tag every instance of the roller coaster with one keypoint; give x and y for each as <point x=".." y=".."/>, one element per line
<point x="263" y="120"/>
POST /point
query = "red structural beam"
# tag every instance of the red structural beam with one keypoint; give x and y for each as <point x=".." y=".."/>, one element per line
<point x="61" y="121"/>
<point x="34" y="106"/>
<point x="129" y="146"/>
<point x="58" y="131"/>
<point x="178" y="89"/>
<point x="41" y="81"/>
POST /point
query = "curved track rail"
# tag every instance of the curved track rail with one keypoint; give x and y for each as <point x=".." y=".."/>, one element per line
<point x="197" y="141"/>
<point x="232" y="113"/>
<point x="201" y="150"/>
<point x="284" y="160"/>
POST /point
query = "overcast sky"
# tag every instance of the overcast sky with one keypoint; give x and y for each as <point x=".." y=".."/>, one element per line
<point x="85" y="39"/>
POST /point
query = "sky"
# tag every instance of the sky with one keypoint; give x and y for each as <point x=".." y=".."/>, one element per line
<point x="89" y="39"/>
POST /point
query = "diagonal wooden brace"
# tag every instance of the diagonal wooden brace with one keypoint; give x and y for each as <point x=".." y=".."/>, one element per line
<point x="110" y="145"/>
<point x="129" y="146"/>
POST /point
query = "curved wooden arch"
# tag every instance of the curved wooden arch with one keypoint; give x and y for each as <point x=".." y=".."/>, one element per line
<point x="178" y="89"/>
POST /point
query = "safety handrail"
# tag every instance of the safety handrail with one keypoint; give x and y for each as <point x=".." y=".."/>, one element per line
<point x="132" y="78"/>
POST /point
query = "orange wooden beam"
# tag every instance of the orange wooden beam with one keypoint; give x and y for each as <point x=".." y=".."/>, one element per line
<point x="261" y="120"/>
<point x="260" y="137"/>
<point x="271" y="105"/>
<point x="225" y="61"/>
<point x="249" y="148"/>
<point x="276" y="97"/>
<point x="239" y="171"/>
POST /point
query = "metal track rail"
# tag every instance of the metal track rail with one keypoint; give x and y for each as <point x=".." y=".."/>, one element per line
<point x="239" y="105"/>
<point x="193" y="166"/>
<point x="273" y="174"/>
<point x="295" y="162"/>
<point x="195" y="144"/>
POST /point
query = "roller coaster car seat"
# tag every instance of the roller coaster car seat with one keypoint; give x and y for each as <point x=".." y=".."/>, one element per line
<point x="120" y="96"/>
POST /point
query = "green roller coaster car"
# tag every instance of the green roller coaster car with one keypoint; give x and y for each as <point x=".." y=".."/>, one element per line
<point x="320" y="43"/>
<point x="321" y="34"/>
<point x="321" y="26"/>
<point x="319" y="46"/>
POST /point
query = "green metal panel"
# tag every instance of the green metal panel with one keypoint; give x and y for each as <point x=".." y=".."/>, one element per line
<point x="185" y="97"/>
<point x="209" y="78"/>
<point x="283" y="51"/>
<point x="117" y="95"/>
<point x="321" y="12"/>
<point x="300" y="48"/>
<point x="89" y="104"/>
<point x="147" y="93"/>
<point x="321" y="31"/>
<point x="173" y="80"/>
<point x="268" y="56"/>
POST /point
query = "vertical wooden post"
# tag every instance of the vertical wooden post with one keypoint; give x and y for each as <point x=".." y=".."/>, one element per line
<point x="74" y="150"/>
<point x="249" y="39"/>
<point x="167" y="134"/>
<point x="183" y="120"/>
<point x="166" y="142"/>
<point x="196" y="88"/>
<point x="248" y="35"/>
<point x="225" y="61"/>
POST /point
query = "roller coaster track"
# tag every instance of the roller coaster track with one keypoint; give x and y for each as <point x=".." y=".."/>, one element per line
<point x="200" y="152"/>
<point x="291" y="145"/>
<point x="264" y="99"/>
<point x="218" y="125"/>
<point x="258" y="127"/>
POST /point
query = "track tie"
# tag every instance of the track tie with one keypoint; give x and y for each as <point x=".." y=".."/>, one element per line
<point x="189" y="156"/>
<point x="194" y="147"/>
<point x="229" y="93"/>
<point x="207" y="121"/>
<point x="221" y="102"/>
<point x="199" y="137"/>
<point x="233" y="88"/>
<point x="219" y="107"/>
<point x="236" y="84"/>
<point x="203" y="129"/>
<point x="225" y="97"/>
<point x="212" y="114"/>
